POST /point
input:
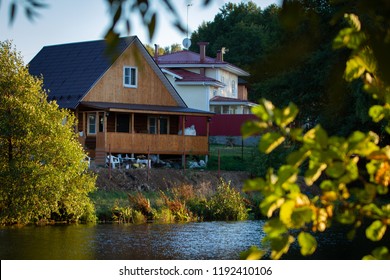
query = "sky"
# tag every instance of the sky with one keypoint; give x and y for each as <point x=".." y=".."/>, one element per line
<point x="68" y="21"/>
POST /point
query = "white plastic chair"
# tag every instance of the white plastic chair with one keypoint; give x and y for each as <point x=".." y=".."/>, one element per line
<point x="120" y="158"/>
<point x="114" y="161"/>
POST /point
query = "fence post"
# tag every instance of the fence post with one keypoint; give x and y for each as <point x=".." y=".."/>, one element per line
<point x="242" y="148"/>
<point x="219" y="163"/>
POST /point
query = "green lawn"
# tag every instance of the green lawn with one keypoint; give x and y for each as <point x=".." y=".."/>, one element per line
<point x="235" y="158"/>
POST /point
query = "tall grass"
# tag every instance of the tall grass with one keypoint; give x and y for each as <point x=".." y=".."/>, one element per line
<point x="178" y="204"/>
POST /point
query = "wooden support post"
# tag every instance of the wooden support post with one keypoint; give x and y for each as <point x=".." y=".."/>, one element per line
<point x="109" y="161"/>
<point x="147" y="177"/>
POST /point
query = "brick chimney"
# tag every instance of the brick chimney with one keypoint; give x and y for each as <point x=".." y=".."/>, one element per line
<point x="202" y="51"/>
<point x="156" y="53"/>
<point x="220" y="53"/>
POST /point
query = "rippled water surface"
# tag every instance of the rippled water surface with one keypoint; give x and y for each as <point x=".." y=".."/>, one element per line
<point x="208" y="240"/>
<point x="190" y="241"/>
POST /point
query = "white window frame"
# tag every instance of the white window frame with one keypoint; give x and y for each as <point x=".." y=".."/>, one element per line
<point x="94" y="124"/>
<point x="234" y="87"/>
<point x="130" y="77"/>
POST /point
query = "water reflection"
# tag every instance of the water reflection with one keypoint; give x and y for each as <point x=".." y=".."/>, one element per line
<point x="213" y="240"/>
<point x="191" y="241"/>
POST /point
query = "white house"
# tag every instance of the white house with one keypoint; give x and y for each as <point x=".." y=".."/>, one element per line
<point x="205" y="83"/>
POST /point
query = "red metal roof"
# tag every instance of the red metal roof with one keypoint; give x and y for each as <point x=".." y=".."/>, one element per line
<point x="226" y="99"/>
<point x="188" y="76"/>
<point x="186" y="57"/>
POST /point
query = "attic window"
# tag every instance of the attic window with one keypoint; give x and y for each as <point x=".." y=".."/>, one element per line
<point x="129" y="76"/>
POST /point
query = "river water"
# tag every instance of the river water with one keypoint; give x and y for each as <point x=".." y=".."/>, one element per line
<point x="187" y="241"/>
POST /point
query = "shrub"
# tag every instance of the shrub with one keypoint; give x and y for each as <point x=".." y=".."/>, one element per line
<point x="177" y="206"/>
<point x="227" y="204"/>
<point x="140" y="203"/>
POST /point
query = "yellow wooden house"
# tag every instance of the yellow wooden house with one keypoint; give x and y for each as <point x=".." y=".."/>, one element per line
<point x="123" y="101"/>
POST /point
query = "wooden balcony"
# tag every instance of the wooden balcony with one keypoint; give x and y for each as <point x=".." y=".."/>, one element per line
<point x="139" y="143"/>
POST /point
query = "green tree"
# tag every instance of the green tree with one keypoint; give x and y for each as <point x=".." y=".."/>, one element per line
<point x="43" y="172"/>
<point x="302" y="67"/>
<point x="150" y="50"/>
<point x="244" y="29"/>
<point x="352" y="172"/>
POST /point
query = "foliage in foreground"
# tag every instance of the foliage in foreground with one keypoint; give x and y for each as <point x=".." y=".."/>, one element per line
<point x="352" y="172"/>
<point x="43" y="174"/>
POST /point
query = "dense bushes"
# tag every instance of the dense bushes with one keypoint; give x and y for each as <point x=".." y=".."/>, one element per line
<point x="227" y="204"/>
<point x="177" y="204"/>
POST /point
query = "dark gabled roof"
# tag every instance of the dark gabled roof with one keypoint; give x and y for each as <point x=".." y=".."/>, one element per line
<point x="142" y="107"/>
<point x="70" y="70"/>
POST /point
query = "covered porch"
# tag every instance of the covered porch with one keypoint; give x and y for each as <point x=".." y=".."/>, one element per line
<point x="109" y="128"/>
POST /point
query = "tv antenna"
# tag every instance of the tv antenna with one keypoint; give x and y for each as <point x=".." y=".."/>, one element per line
<point x="187" y="41"/>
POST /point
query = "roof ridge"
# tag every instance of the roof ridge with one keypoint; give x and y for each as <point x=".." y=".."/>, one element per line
<point x="130" y="38"/>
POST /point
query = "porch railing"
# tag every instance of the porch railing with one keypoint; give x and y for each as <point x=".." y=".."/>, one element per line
<point x="153" y="143"/>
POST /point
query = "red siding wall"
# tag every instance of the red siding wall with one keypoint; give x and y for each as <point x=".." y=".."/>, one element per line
<point x="220" y="125"/>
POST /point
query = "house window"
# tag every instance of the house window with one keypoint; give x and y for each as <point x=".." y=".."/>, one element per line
<point x="152" y="125"/>
<point x="232" y="110"/>
<point x="92" y="123"/>
<point x="130" y="76"/>
<point x="123" y="123"/>
<point x="225" y="109"/>
<point x="233" y="87"/>
<point x="164" y="125"/>
<point x="215" y="109"/>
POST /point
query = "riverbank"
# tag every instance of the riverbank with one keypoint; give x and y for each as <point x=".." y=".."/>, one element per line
<point x="161" y="179"/>
<point x="169" y="195"/>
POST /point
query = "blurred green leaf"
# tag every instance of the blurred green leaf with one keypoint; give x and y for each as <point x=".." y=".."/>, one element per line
<point x="354" y="69"/>
<point x="253" y="253"/>
<point x="286" y="211"/>
<point x="256" y="184"/>
<point x="300" y="216"/>
<point x="264" y="110"/>
<point x="296" y="158"/>
<point x="307" y="242"/>
<point x="335" y="170"/>
<point x="286" y="116"/>
<point x="270" y="204"/>
<point x="152" y="26"/>
<point x="12" y="12"/>
<point x="250" y="128"/>
<point x="287" y="173"/>
<point x="280" y="245"/>
<point x="376" y="230"/>
<point x="315" y="137"/>
<point x="274" y="228"/>
<point x="372" y="210"/>
<point x="270" y="141"/>
<point x="314" y="172"/>
<point x="380" y="253"/>
<point x="346" y="216"/>
<point x="377" y="113"/>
